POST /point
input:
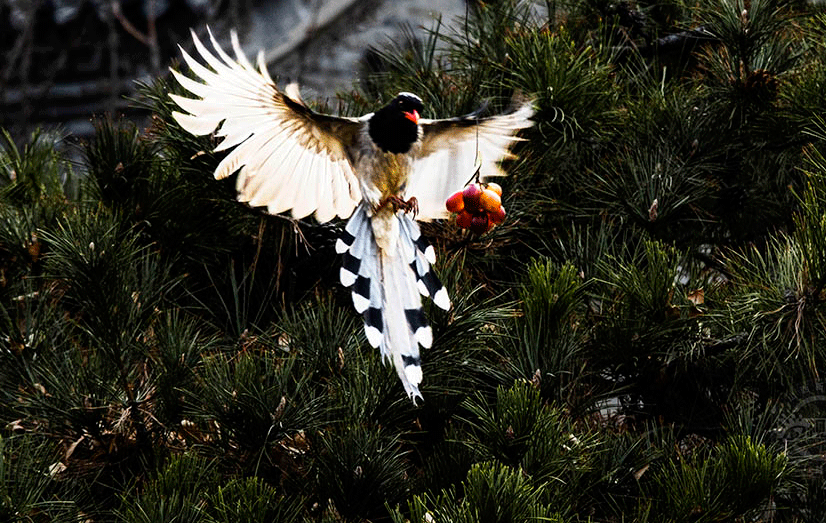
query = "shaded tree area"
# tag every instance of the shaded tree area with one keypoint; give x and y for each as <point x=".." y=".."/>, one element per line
<point x="641" y="340"/>
<point x="64" y="59"/>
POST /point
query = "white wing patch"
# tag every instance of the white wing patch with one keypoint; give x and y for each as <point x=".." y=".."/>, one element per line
<point x="284" y="160"/>
<point x="448" y="157"/>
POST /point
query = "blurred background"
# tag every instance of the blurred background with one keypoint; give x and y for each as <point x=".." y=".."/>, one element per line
<point x="63" y="61"/>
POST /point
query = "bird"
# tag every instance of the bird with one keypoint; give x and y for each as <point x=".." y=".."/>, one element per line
<point x="382" y="172"/>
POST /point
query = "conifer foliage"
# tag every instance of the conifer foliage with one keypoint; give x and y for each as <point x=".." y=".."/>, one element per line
<point x="642" y="340"/>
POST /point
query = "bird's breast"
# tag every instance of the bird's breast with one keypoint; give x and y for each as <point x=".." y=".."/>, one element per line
<point x="391" y="173"/>
<point x="383" y="174"/>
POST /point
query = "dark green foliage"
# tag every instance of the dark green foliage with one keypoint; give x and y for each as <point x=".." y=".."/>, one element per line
<point x="642" y="339"/>
<point x="26" y="467"/>
<point x="173" y="494"/>
<point x="756" y="50"/>
<point x="253" y="399"/>
<point x="727" y="482"/>
<point x="359" y="469"/>
<point x="121" y="165"/>
<point x="545" y="343"/>
<point x="520" y="431"/>
<point x="34" y="185"/>
<point x="34" y="174"/>
<point x="783" y="314"/>
<point x="573" y="85"/>
<point x="250" y="499"/>
<point x="811" y="225"/>
<point x="493" y="493"/>
<point x="175" y="356"/>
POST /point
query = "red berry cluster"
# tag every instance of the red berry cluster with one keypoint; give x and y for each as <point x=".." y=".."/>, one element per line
<point x="479" y="207"/>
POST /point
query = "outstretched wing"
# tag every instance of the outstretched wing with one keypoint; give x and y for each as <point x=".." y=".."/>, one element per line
<point x="446" y="159"/>
<point x="287" y="156"/>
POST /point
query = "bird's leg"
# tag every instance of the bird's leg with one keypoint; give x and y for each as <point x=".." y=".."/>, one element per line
<point x="406" y="205"/>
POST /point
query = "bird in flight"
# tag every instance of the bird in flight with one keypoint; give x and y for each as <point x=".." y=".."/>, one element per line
<point x="383" y="171"/>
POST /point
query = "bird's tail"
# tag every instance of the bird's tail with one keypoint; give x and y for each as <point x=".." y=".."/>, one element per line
<point x="386" y="284"/>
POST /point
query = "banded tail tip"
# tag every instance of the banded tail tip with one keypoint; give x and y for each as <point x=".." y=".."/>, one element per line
<point x="412" y="372"/>
<point x="341" y="246"/>
<point x="430" y="254"/>
<point x="361" y="298"/>
<point x="424" y="335"/>
<point x="350" y="263"/>
<point x="360" y="303"/>
<point x="425" y="248"/>
<point x="414" y="375"/>
<point x="373" y="335"/>
<point x="346" y="277"/>
<point x="373" y="326"/>
<point x="441" y="299"/>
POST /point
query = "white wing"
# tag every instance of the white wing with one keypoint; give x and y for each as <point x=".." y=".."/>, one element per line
<point x="289" y="156"/>
<point x="446" y="159"/>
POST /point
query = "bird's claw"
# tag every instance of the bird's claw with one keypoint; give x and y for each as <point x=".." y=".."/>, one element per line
<point x="411" y="205"/>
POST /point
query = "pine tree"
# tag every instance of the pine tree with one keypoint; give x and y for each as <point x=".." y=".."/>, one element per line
<point x="641" y="340"/>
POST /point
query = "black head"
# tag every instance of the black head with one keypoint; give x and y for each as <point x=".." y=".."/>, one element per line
<point x="395" y="127"/>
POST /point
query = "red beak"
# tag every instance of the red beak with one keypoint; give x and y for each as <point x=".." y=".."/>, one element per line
<point x="413" y="116"/>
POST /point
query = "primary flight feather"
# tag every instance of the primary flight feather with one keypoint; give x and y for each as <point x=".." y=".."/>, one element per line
<point x="374" y="169"/>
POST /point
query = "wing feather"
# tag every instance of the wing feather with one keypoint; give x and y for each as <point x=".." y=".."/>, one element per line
<point x="262" y="67"/>
<point x="277" y="191"/>
<point x="287" y="156"/>
<point x="306" y="197"/>
<point x="325" y="213"/>
<point x="195" y="125"/>
<point x="287" y="196"/>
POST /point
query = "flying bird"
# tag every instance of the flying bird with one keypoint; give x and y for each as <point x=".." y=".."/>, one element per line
<point x="383" y="171"/>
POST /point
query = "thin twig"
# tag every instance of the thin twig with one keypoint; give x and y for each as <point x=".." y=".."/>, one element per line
<point x="127" y="25"/>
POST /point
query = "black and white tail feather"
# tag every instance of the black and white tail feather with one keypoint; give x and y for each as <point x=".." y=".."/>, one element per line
<point x="287" y="157"/>
<point x="386" y="289"/>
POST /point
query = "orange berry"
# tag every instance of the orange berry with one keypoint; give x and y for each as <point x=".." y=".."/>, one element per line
<point x="455" y="203"/>
<point x="495" y="187"/>
<point x="498" y="216"/>
<point x="490" y="201"/>
<point x="463" y="219"/>
<point x="471" y="196"/>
